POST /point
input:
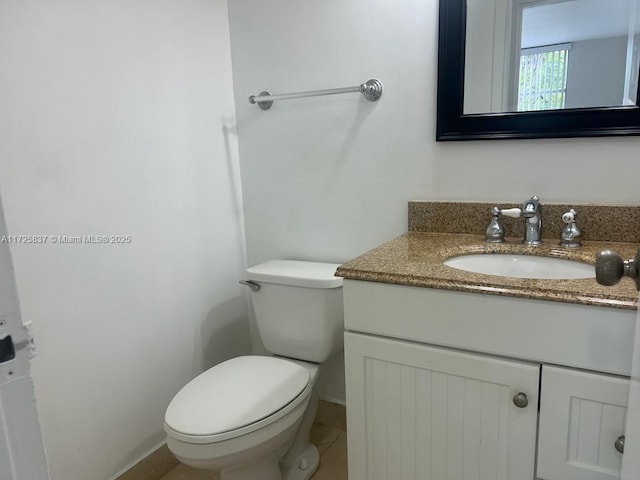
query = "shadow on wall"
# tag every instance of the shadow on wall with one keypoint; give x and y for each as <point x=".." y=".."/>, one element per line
<point x="363" y="110"/>
<point x="331" y="382"/>
<point x="225" y="332"/>
<point x="230" y="135"/>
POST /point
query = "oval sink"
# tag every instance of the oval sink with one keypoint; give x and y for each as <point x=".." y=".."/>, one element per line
<point x="522" y="266"/>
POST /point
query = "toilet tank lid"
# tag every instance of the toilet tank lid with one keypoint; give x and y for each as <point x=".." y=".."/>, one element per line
<point x="296" y="273"/>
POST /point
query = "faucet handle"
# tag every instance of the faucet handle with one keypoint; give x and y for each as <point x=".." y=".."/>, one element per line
<point x="495" y="231"/>
<point x="571" y="236"/>
<point x="511" y="212"/>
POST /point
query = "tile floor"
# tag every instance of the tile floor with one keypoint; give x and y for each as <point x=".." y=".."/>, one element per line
<point x="331" y="443"/>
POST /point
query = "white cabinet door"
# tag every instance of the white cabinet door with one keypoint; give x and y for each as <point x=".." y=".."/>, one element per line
<point x="581" y="416"/>
<point x="418" y="412"/>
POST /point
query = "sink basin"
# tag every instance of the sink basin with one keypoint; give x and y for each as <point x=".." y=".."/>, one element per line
<point x="522" y="266"/>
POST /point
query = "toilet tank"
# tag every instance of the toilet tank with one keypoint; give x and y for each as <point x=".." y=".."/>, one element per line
<point x="298" y="309"/>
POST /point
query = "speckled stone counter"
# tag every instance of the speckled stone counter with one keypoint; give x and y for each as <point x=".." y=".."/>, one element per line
<point x="416" y="259"/>
<point x="602" y="223"/>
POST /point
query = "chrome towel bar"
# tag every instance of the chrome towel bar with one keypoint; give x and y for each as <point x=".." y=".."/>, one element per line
<point x="372" y="90"/>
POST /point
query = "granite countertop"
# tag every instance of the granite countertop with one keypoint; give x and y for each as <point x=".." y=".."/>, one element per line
<point x="416" y="259"/>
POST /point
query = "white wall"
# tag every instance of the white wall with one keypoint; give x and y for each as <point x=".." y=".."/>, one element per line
<point x="329" y="178"/>
<point x="112" y="119"/>
<point x="596" y="71"/>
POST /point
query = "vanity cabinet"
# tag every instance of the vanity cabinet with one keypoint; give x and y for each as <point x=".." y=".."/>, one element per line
<point x="431" y="377"/>
<point x="436" y="413"/>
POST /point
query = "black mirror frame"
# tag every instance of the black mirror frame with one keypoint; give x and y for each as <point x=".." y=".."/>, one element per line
<point x="453" y="124"/>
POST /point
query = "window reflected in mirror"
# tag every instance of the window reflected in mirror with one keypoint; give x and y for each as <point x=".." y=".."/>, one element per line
<point x="533" y="55"/>
<point x="542" y="79"/>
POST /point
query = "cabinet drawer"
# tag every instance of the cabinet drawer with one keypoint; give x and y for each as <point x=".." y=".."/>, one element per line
<point x="495" y="325"/>
<point x="581" y="417"/>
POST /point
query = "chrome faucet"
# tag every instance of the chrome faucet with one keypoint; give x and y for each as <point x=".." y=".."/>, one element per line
<point x="532" y="213"/>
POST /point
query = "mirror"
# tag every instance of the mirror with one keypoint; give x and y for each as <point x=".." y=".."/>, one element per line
<point x="532" y="55"/>
<point x="538" y="68"/>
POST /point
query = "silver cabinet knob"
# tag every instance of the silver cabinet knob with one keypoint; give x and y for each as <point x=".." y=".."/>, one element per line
<point x="620" y="444"/>
<point x="520" y="400"/>
<point x="610" y="268"/>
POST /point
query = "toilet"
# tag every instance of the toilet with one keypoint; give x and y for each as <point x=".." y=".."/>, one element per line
<point x="249" y="417"/>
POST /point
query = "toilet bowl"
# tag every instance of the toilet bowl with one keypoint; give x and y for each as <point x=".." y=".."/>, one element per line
<point x="249" y="417"/>
<point x="241" y="417"/>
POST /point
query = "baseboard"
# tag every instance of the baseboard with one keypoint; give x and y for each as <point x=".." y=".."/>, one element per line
<point x="152" y="466"/>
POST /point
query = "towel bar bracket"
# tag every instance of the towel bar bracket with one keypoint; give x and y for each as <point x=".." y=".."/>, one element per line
<point x="372" y="89"/>
<point x="265" y="105"/>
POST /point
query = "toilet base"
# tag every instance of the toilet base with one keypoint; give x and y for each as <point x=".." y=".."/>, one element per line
<point x="267" y="469"/>
<point x="306" y="465"/>
<point x="270" y="469"/>
<point x="302" y="460"/>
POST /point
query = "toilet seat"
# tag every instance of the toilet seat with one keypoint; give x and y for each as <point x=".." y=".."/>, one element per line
<point x="235" y="398"/>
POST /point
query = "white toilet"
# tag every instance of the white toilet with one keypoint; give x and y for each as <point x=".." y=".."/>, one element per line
<point x="249" y="417"/>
